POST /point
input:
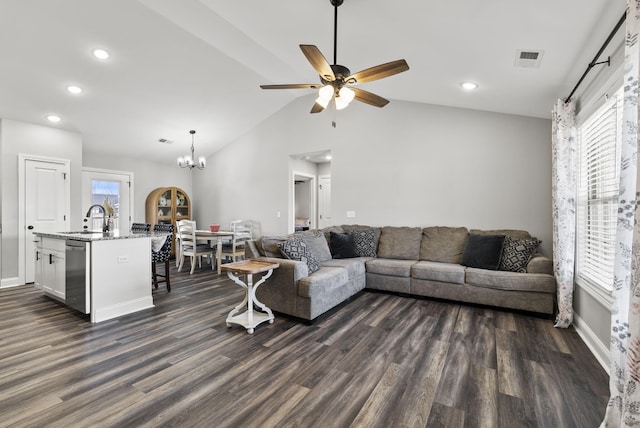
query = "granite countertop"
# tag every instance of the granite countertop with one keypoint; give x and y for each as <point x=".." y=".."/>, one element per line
<point x="88" y="236"/>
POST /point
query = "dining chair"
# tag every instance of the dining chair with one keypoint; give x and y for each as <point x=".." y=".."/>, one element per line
<point x="233" y="248"/>
<point x="190" y="247"/>
<point x="162" y="256"/>
<point x="140" y="227"/>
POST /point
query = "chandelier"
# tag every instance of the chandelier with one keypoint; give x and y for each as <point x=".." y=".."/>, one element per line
<point x="188" y="161"/>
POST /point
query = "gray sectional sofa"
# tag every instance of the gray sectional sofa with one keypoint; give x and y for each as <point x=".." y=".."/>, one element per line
<point x="451" y="263"/>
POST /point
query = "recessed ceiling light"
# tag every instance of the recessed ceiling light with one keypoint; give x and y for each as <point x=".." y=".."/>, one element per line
<point x="73" y="89"/>
<point x="53" y="118"/>
<point x="100" y="54"/>
<point x="469" y="86"/>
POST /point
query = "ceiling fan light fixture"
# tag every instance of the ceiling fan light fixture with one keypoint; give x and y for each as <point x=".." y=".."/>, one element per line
<point x="344" y="97"/>
<point x="324" y="95"/>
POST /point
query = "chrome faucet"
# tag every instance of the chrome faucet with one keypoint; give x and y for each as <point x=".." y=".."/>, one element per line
<point x="105" y="225"/>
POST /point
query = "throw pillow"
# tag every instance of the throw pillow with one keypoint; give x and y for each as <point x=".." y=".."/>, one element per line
<point x="343" y="245"/>
<point x="366" y="242"/>
<point x="318" y="246"/>
<point x="516" y="253"/>
<point x="296" y="249"/>
<point x="483" y="251"/>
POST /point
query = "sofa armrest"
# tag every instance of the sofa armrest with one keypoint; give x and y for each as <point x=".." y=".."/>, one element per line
<point x="280" y="292"/>
<point x="540" y="264"/>
<point x="289" y="270"/>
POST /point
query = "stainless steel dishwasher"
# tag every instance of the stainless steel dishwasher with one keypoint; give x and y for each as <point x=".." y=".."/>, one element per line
<point x="76" y="285"/>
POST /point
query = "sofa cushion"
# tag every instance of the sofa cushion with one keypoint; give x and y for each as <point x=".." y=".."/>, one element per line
<point x="443" y="244"/>
<point x="317" y="244"/>
<point x="393" y="267"/>
<point x="268" y="245"/>
<point x="438" y="271"/>
<point x="354" y="267"/>
<point x="515" y="281"/>
<point x="516" y="253"/>
<point x="297" y="249"/>
<point x="342" y="245"/>
<point x="483" y="251"/>
<point x="400" y="243"/>
<point x="514" y="233"/>
<point x="323" y="281"/>
<point x="327" y="231"/>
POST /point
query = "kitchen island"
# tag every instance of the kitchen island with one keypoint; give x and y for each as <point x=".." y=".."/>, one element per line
<point x="104" y="274"/>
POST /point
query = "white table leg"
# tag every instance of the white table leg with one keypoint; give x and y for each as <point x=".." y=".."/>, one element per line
<point x="250" y="318"/>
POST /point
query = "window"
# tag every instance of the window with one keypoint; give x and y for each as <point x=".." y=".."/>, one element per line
<point x="599" y="139"/>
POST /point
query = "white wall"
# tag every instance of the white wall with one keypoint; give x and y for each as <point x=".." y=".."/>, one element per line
<point x="405" y="164"/>
<point x="147" y="177"/>
<point x="26" y="138"/>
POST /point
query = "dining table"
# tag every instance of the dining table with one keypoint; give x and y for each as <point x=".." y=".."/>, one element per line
<point x="211" y="238"/>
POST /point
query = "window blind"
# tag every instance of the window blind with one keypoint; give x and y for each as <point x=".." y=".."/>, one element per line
<point x="597" y="199"/>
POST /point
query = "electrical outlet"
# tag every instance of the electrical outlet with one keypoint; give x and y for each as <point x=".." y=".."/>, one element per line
<point x="351" y="214"/>
<point x="278" y="214"/>
<point x="123" y="259"/>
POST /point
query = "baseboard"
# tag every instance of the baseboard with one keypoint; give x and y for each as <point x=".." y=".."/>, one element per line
<point x="114" y="311"/>
<point x="10" y="282"/>
<point x="597" y="348"/>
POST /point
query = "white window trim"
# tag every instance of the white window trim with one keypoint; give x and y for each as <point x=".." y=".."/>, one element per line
<point x="602" y="295"/>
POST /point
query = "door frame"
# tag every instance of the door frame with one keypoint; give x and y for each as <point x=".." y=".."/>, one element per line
<point x="115" y="173"/>
<point x="313" y="200"/>
<point x="22" y="200"/>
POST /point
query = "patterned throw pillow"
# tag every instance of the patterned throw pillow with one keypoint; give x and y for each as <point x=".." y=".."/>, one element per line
<point x="366" y="242"/>
<point x="297" y="249"/>
<point x="516" y="254"/>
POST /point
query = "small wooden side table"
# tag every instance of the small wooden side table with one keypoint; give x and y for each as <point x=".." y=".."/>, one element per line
<point x="250" y="318"/>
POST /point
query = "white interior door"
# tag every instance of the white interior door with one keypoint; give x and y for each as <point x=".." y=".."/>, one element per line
<point x="99" y="185"/>
<point x="324" y="201"/>
<point x="46" y="204"/>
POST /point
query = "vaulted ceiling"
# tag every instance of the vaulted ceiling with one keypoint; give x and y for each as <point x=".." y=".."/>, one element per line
<point x="198" y="64"/>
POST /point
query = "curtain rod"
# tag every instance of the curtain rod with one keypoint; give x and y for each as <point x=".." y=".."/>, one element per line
<point x="593" y="62"/>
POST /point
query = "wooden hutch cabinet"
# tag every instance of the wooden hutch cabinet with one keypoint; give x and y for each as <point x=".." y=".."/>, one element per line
<point x="168" y="205"/>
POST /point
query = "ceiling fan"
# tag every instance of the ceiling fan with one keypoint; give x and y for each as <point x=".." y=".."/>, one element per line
<point x="336" y="81"/>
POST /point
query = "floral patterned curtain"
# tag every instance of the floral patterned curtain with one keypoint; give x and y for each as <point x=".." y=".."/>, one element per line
<point x="563" y="200"/>
<point x="623" y="409"/>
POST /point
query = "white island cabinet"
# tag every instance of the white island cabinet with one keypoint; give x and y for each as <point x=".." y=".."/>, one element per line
<point x="114" y="280"/>
<point x="50" y="267"/>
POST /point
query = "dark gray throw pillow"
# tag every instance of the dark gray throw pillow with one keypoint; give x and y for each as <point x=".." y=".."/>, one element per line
<point x="343" y="245"/>
<point x="483" y="251"/>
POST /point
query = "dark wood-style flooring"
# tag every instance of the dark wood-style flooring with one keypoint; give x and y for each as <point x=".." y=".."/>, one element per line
<point x="381" y="360"/>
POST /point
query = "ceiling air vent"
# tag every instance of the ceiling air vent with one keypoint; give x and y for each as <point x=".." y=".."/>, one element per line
<point x="528" y="58"/>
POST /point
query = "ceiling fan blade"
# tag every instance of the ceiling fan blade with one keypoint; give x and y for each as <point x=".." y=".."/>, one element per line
<point x="293" y="86"/>
<point x="369" y="98"/>
<point x="380" y="71"/>
<point x="317" y="108"/>
<point x="318" y="61"/>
